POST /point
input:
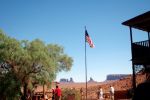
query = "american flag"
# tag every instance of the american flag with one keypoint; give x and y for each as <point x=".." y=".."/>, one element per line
<point x="88" y="39"/>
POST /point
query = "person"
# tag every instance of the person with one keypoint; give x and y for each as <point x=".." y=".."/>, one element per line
<point x="101" y="94"/>
<point x="112" y="91"/>
<point x="46" y="97"/>
<point x="57" y="93"/>
<point x="81" y="92"/>
<point x="53" y="94"/>
<point x="28" y="95"/>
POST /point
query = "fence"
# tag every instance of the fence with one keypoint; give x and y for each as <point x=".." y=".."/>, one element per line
<point x="92" y="95"/>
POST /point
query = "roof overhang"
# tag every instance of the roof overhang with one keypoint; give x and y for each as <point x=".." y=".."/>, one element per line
<point x="141" y="22"/>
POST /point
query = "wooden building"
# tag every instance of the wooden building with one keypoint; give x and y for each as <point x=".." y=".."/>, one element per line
<point x="140" y="50"/>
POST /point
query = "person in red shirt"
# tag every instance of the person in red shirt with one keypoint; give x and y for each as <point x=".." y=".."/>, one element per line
<point x="57" y="93"/>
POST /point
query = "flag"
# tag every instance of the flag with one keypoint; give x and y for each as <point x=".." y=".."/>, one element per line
<point x="88" y="39"/>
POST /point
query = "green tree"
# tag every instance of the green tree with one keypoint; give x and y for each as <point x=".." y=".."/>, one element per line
<point x="32" y="62"/>
<point x="9" y="87"/>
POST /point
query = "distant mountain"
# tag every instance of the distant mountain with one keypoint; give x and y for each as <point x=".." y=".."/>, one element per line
<point x="91" y="80"/>
<point x="64" y="80"/>
<point x="116" y="76"/>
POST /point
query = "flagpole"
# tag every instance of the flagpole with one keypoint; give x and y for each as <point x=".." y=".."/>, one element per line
<point x="85" y="66"/>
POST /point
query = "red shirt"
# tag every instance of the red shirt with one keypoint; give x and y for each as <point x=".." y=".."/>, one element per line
<point x="58" y="91"/>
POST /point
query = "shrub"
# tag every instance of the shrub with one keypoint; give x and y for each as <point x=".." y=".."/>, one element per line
<point x="70" y="94"/>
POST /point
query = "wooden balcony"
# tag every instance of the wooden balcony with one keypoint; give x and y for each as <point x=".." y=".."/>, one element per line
<point x="140" y="50"/>
<point x="141" y="53"/>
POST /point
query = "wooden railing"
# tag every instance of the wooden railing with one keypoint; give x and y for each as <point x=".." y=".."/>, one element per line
<point x="143" y="43"/>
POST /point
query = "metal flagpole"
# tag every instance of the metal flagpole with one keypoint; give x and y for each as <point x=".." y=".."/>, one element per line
<point x="85" y="66"/>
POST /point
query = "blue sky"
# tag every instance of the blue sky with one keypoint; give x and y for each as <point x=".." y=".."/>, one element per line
<point x="62" y="22"/>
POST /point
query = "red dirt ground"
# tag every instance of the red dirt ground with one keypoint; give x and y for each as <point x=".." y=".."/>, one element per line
<point x="120" y="86"/>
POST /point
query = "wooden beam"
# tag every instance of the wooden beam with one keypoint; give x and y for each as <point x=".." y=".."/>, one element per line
<point x="133" y="66"/>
